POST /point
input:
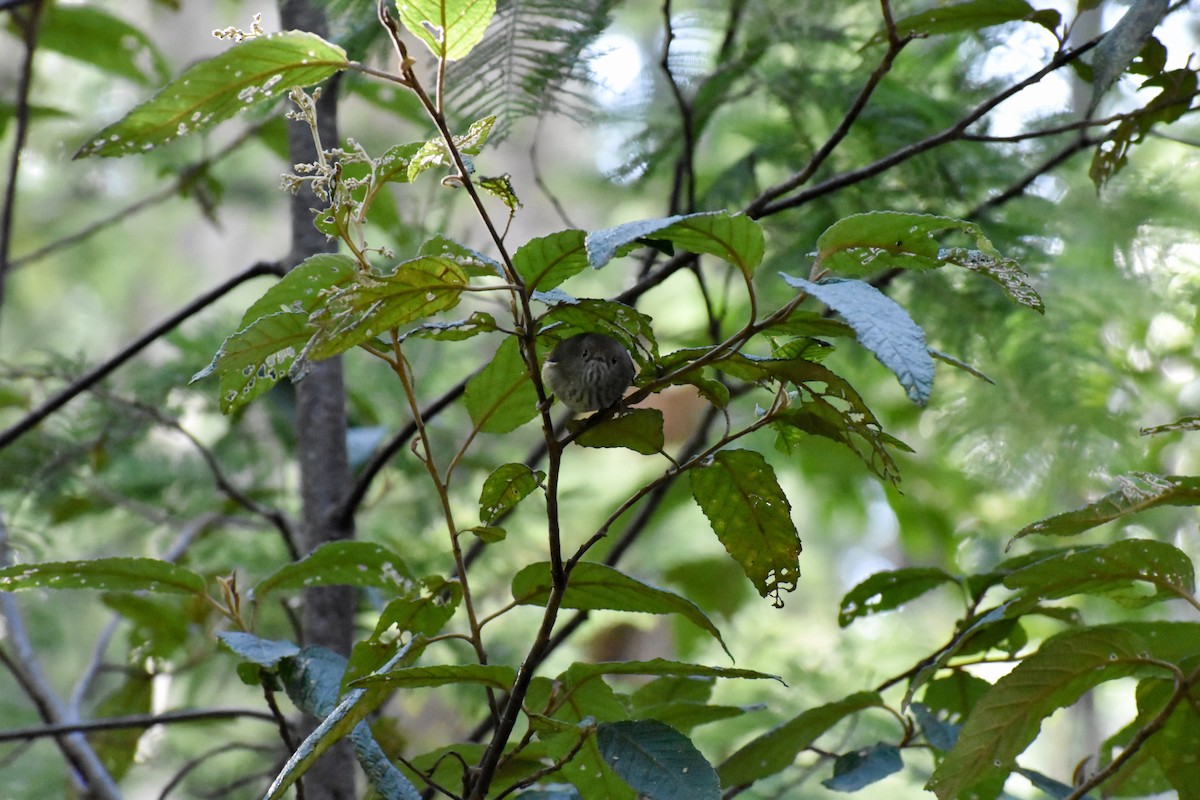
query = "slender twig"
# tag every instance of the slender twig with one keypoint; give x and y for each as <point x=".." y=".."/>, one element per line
<point x="1182" y="690"/>
<point x="28" y="23"/>
<point x="102" y="371"/>
<point x="192" y="764"/>
<point x="685" y="174"/>
<point x="133" y="721"/>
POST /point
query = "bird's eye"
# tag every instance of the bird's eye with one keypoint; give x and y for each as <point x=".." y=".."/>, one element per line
<point x="584" y="353"/>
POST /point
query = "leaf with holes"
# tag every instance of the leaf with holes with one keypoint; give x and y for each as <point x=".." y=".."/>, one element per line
<point x="449" y="28"/>
<point x="1137" y="492"/>
<point x="508" y="485"/>
<point x="749" y="513"/>
<point x="107" y="574"/>
<point x="1112" y="569"/>
<point x="885" y="591"/>
<point x="733" y="237"/>
<point x="214" y="90"/>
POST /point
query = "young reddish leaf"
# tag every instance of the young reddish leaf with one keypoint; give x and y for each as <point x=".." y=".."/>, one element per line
<point x="751" y="516"/>
<point x="216" y="89"/>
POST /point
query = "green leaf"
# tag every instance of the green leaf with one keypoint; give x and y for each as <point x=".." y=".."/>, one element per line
<point x="434" y="152"/>
<point x="1188" y="423"/>
<point x="657" y="761"/>
<point x="1175" y="745"/>
<point x="501" y="397"/>
<point x="547" y="261"/>
<point x="1007" y="719"/>
<point x="596" y="586"/>
<point x="638" y="429"/>
<point x="449" y="28"/>
<point x="257" y="357"/>
<point x="580" y="673"/>
<point x="424" y="614"/>
<point x="501" y="187"/>
<point x="777" y="749"/>
<point x="861" y="768"/>
<point x="883" y="327"/>
<point x="304" y="286"/>
<point x="345" y="563"/>
<point x="1109" y="569"/>
<point x="508" y="485"/>
<point x="117" y="747"/>
<point x="107" y="574"/>
<point x="733" y="237"/>
<point x="263" y="652"/>
<point x="375" y="304"/>
<point x="494" y="675"/>
<point x="392" y="166"/>
<point x="971" y="15"/>
<point x="885" y="591"/>
<point x="218" y="88"/>
<point x="749" y="513"/>
<point x="113" y="45"/>
<point x="456" y="331"/>
<point x="1137" y="492"/>
<point x="1004" y="271"/>
<point x="473" y="262"/>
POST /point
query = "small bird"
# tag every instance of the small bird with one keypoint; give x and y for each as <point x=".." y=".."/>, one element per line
<point x="589" y="371"/>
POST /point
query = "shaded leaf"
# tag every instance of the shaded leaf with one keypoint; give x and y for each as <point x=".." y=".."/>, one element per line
<point x="657" y="761"/>
<point x="1004" y="271"/>
<point x="472" y="261"/>
<point x="547" y="261"/>
<point x="107" y="574"/>
<point x="1189" y="423"/>
<point x="501" y="397"/>
<point x="885" y="591"/>
<point x="263" y="652"/>
<point x="1122" y="43"/>
<point x="597" y="586"/>
<point x="749" y="513"/>
<point x="1136" y="492"/>
<point x="883" y="327"/>
<point x="494" y="675"/>
<point x="638" y="429"/>
<point x="113" y="45"/>
<point x="1109" y="569"/>
<point x="775" y="750"/>
<point x="508" y="485"/>
<point x="861" y="768"/>
<point x="1176" y="744"/>
<point x="214" y="90"/>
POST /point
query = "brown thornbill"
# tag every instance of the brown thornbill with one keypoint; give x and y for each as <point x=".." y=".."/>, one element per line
<point x="588" y="372"/>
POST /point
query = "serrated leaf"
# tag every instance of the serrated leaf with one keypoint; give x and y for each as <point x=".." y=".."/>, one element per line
<point x="501" y="398"/>
<point x="1136" y="492"/>
<point x="733" y="237"/>
<point x="547" y="261"/>
<point x="424" y="614"/>
<point x="216" y="89"/>
<point x="374" y="304"/>
<point x="657" y="761"/>
<point x="1008" y="718"/>
<point x="595" y="586"/>
<point x="638" y="429"/>
<point x="263" y="652"/>
<point x="473" y="262"/>
<point x="456" y="331"/>
<point x="304" y="286"/>
<point x="434" y="152"/>
<point x="859" y="769"/>
<point x="580" y="673"/>
<point x="105" y="574"/>
<point x="449" y="28"/>
<point x="495" y="676"/>
<point x="1122" y="43"/>
<point x="885" y="591"/>
<point x="1175" y="745"/>
<point x="346" y="563"/>
<point x="1109" y="569"/>
<point x="777" y="749"/>
<point x="508" y="485"/>
<point x="257" y="357"/>
<point x="1189" y="423"/>
<point x="883" y="327"/>
<point x="971" y="15"/>
<point x="751" y="516"/>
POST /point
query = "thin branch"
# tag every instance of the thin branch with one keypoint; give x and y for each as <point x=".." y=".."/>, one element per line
<point x="132" y="721"/>
<point x="685" y="170"/>
<point x="199" y="761"/>
<point x="102" y="371"/>
<point x="28" y="23"/>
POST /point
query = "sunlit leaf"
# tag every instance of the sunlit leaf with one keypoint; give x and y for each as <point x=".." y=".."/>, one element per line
<point x="547" y="261"/>
<point x="733" y="237"/>
<point x="506" y="486"/>
<point x="348" y="563"/>
<point x="214" y="90"/>
<point x="449" y="28"/>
